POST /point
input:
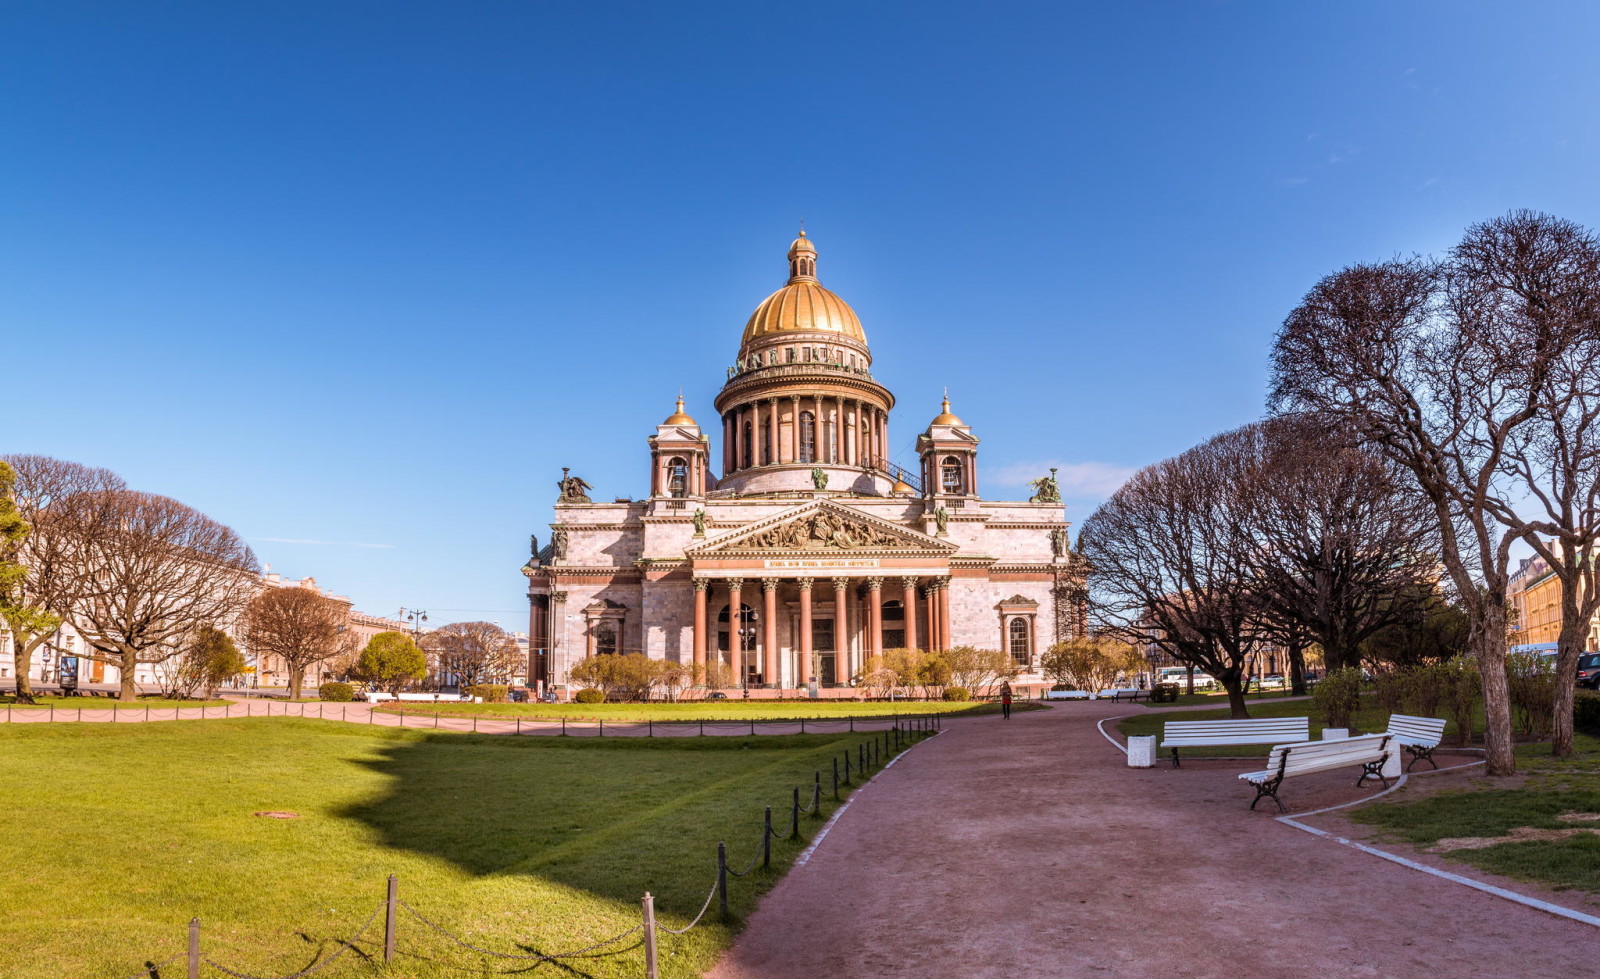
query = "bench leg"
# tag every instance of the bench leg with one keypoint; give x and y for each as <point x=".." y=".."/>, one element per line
<point x="1267" y="789"/>
<point x="1419" y="753"/>
<point x="1174" y="757"/>
<point x="1372" y="769"/>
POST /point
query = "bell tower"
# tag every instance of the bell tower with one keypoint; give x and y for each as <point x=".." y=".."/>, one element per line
<point x="680" y="456"/>
<point x="949" y="453"/>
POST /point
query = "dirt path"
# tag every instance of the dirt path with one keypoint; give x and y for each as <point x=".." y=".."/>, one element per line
<point x="1028" y="848"/>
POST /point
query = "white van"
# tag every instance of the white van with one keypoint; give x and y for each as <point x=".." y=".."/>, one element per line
<point x="1180" y="676"/>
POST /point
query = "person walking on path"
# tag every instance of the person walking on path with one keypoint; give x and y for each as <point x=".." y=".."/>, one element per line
<point x="1005" y="700"/>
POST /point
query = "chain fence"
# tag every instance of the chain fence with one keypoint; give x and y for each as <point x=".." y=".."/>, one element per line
<point x="872" y="753"/>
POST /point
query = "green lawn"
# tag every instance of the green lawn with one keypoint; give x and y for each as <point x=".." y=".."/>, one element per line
<point x="119" y="834"/>
<point x="154" y="702"/>
<point x="734" y="710"/>
<point x="1486" y="810"/>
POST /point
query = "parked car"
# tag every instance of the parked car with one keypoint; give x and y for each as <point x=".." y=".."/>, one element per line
<point x="1273" y="681"/>
<point x="1589" y="671"/>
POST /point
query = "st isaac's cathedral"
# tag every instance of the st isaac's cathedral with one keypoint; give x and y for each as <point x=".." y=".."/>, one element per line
<point x="800" y="551"/>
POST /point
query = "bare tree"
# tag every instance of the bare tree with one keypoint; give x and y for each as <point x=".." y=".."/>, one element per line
<point x="1544" y="274"/>
<point x="472" y="652"/>
<point x="1168" y="561"/>
<point x="1441" y="366"/>
<point x="150" y="571"/>
<point x="33" y="605"/>
<point x="1344" y="544"/>
<point x="300" y="627"/>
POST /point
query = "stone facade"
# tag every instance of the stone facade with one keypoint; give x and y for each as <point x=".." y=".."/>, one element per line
<point x="827" y="545"/>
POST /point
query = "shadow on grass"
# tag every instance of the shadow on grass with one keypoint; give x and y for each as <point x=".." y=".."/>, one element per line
<point x="612" y="817"/>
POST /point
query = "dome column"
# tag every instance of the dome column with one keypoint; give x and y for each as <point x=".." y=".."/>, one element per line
<point x="794" y="428"/>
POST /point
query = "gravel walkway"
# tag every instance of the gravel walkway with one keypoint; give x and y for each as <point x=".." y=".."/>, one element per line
<point x="1028" y="848"/>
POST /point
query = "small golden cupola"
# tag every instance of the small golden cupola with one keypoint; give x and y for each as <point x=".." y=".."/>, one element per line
<point x="679" y="417"/>
<point x="944" y="416"/>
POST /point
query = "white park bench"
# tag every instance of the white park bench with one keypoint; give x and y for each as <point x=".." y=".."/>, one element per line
<point x="1125" y="693"/>
<point x="1249" y="730"/>
<point x="1309" y="757"/>
<point x="1066" y="695"/>
<point x="1418" y="735"/>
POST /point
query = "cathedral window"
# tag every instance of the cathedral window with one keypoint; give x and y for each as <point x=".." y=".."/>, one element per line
<point x="677" y="477"/>
<point x="808" y="437"/>
<point x="951" y="476"/>
<point x="1019" y="640"/>
<point x="766" y="445"/>
<point x="749" y="448"/>
<point x="605" y="638"/>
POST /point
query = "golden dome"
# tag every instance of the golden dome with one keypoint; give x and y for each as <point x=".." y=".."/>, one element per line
<point x="901" y="486"/>
<point x="945" y="418"/>
<point x="803" y="305"/>
<point x="680" y="417"/>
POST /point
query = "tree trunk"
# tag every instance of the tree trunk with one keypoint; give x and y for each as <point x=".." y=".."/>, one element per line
<point x="1233" y="682"/>
<point x="1190" y="674"/>
<point x="297" y="679"/>
<point x="1569" y="644"/>
<point x="127" y="665"/>
<point x="1490" y="644"/>
<point x="1297" y="669"/>
<point x="22" y="661"/>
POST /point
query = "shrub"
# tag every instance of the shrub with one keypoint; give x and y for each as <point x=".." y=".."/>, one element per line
<point x="337" y="692"/>
<point x="1531" y="685"/>
<point x="492" y="693"/>
<point x="1338" y="696"/>
<point x="1164" y="693"/>
<point x="1586" y="711"/>
<point x="1461" y="691"/>
<point x="589" y="695"/>
<point x="961" y="693"/>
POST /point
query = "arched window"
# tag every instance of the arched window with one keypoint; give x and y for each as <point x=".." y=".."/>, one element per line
<point x="749" y="448"/>
<point x="677" y="477"/>
<point x="808" y="437"/>
<point x="951" y="476"/>
<point x="766" y="445"/>
<point x="1017" y="632"/>
<point x="605" y="638"/>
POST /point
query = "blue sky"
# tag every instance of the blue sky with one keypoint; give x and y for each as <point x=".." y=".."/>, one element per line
<point x="358" y="279"/>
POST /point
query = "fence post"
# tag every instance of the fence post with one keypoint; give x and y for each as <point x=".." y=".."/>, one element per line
<point x="652" y="723"/>
<point x="847" y="768"/>
<point x="722" y="878"/>
<point x="816" y="795"/>
<point x="474" y="724"/>
<point x="752" y="722"/>
<point x="603" y="726"/>
<point x="194" y="948"/>
<point x="650" y="937"/>
<point x="836" y="779"/>
<point x="388" y="921"/>
<point x="802" y="725"/>
<point x="852" y="724"/>
<point x="794" y="823"/>
<point x="702" y="727"/>
<point x="766" y="840"/>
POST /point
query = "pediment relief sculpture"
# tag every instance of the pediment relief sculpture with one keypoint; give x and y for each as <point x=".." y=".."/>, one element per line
<point x="826" y="531"/>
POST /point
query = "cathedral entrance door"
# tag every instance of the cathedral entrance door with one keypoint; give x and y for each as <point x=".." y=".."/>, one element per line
<point x="822" y="642"/>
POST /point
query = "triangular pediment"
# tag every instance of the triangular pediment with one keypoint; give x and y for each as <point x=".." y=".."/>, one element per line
<point x="823" y="527"/>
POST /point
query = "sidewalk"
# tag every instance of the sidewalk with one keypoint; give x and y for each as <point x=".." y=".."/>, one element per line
<point x="1028" y="848"/>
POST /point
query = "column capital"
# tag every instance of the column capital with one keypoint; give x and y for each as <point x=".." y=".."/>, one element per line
<point x="558" y="596"/>
<point x="770" y="584"/>
<point x="806" y="583"/>
<point x="841" y="583"/>
<point x="875" y="582"/>
<point x="908" y="581"/>
<point x="735" y="583"/>
<point x="702" y="584"/>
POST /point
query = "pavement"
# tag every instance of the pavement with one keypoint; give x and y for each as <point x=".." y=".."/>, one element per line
<point x="1028" y="848"/>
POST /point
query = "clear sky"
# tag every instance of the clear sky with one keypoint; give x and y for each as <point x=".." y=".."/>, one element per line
<point x="358" y="279"/>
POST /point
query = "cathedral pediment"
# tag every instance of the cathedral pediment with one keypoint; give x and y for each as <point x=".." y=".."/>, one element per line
<point x="823" y="527"/>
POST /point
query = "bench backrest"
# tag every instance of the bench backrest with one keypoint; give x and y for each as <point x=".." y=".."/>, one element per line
<point x="1424" y="731"/>
<point x="1250" y="730"/>
<point x="1314" y="756"/>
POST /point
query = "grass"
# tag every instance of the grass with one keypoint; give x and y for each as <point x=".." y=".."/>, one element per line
<point x="119" y="834"/>
<point x="737" y="710"/>
<point x="1551" y="787"/>
<point x="152" y="701"/>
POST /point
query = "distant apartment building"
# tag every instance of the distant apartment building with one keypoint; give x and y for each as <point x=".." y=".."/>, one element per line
<point x="1535" y="595"/>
